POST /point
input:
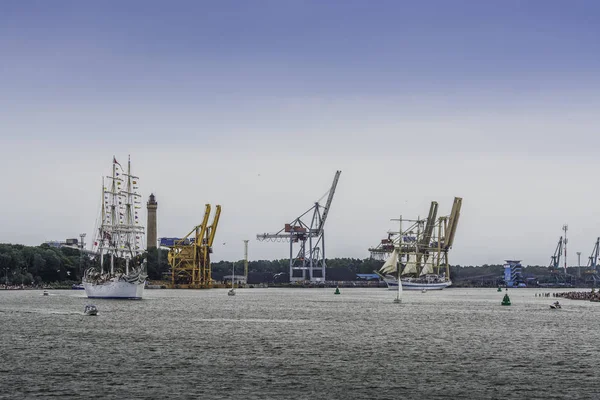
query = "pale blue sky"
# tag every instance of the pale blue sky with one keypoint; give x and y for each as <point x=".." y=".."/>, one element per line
<point x="413" y="101"/>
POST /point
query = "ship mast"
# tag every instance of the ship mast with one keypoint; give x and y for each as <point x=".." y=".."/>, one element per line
<point x="398" y="298"/>
<point x="100" y="240"/>
<point x="129" y="220"/>
<point x="114" y="237"/>
<point x="119" y="232"/>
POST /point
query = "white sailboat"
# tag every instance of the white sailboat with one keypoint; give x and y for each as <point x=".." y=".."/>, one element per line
<point x="232" y="290"/>
<point x="392" y="263"/>
<point x="120" y="236"/>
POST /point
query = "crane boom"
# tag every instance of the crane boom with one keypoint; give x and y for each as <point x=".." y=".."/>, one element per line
<point x="555" y="259"/>
<point x="213" y="228"/>
<point x="263" y="236"/>
<point x="593" y="259"/>
<point x="453" y="222"/>
<point x="431" y="221"/>
<point x="329" y="200"/>
<point x="201" y="233"/>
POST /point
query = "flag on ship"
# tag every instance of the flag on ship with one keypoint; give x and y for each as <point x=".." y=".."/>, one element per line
<point x="116" y="162"/>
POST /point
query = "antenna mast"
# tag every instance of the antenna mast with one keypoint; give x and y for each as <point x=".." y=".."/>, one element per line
<point x="246" y="260"/>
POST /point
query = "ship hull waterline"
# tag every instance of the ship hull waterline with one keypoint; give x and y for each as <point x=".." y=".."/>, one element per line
<point x="407" y="285"/>
<point x="115" y="290"/>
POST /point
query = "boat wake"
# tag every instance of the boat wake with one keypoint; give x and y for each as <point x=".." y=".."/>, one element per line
<point x="42" y="312"/>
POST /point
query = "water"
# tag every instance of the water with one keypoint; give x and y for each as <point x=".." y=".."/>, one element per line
<point x="299" y="344"/>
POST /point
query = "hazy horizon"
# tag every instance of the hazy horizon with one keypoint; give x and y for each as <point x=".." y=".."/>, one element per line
<point x="255" y="105"/>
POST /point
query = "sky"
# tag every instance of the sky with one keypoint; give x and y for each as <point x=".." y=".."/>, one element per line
<point x="254" y="105"/>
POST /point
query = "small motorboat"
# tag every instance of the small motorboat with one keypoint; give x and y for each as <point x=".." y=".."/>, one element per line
<point x="424" y="291"/>
<point x="231" y="292"/>
<point x="45" y="293"/>
<point x="555" y="306"/>
<point x="90" y="309"/>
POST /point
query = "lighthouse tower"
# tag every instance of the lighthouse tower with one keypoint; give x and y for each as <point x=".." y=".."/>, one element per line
<point x="152" y="205"/>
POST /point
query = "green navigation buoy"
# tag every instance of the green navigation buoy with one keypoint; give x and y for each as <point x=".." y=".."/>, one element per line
<point x="337" y="290"/>
<point x="499" y="289"/>
<point x="506" y="300"/>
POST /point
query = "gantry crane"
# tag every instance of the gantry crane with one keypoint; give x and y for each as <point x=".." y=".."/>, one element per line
<point x="593" y="258"/>
<point x="425" y="227"/>
<point x="555" y="259"/>
<point x="189" y="257"/>
<point x="425" y="243"/>
<point x="309" y="262"/>
<point x="591" y="272"/>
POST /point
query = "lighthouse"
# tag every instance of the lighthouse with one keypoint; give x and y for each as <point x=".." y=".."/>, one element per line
<point x="152" y="205"/>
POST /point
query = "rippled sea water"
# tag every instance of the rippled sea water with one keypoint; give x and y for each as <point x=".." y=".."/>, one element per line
<point x="299" y="344"/>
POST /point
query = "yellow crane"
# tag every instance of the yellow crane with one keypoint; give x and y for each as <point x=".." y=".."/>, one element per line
<point x="189" y="257"/>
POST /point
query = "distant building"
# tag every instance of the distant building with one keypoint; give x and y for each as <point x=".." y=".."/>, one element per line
<point x="368" y="277"/>
<point x="151" y="237"/>
<point x="239" y="279"/>
<point x="61" y="243"/>
<point x="513" y="275"/>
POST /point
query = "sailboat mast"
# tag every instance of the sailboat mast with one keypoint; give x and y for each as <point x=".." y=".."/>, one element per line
<point x="400" y="259"/>
<point x="420" y="264"/>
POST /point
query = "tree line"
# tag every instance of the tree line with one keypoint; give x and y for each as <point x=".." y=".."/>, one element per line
<point x="34" y="265"/>
<point x="30" y="265"/>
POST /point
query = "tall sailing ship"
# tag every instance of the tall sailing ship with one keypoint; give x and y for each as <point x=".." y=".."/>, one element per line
<point x="121" y="273"/>
<point x="418" y="256"/>
<point x="413" y="275"/>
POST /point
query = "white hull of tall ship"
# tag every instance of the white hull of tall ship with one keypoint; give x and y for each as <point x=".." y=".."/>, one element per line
<point x="114" y="290"/>
<point x="413" y="284"/>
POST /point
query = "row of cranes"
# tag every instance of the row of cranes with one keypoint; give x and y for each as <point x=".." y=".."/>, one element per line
<point x="591" y="270"/>
<point x="189" y="257"/>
